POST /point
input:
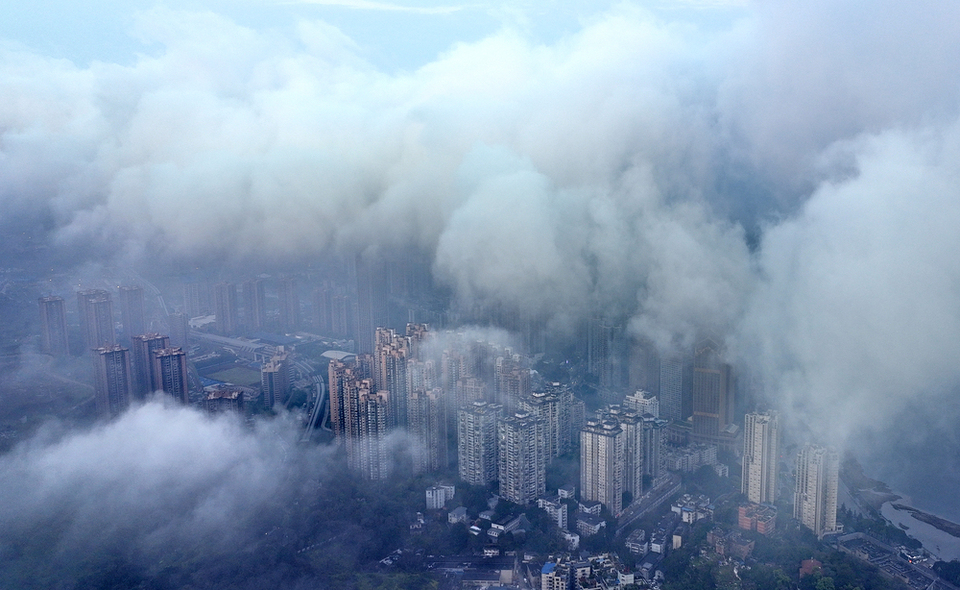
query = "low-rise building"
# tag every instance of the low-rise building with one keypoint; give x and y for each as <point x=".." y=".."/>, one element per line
<point x="556" y="509"/>
<point x="589" y="524"/>
<point x="457" y="515"/>
<point x="636" y="543"/>
<point x="692" y="508"/>
<point x="590" y="507"/>
<point x="439" y="495"/>
<point x="757" y="517"/>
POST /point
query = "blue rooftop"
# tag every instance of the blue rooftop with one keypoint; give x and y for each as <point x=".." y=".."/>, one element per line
<point x="548" y="567"/>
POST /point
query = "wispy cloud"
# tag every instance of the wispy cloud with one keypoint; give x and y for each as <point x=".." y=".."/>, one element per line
<point x="384" y="6"/>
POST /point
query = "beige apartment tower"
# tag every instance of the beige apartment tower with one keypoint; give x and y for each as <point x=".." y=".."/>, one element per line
<point x="601" y="464"/>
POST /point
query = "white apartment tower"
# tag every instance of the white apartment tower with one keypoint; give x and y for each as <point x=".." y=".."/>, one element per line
<point x="761" y="454"/>
<point x="815" y="499"/>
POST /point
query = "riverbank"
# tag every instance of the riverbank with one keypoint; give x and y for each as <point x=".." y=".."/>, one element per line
<point x="941" y="544"/>
<point x="951" y="528"/>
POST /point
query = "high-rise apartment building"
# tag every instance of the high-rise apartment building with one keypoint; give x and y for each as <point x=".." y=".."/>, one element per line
<point x="815" y="497"/>
<point x="254" y="304"/>
<point x="322" y="299"/>
<point x="371" y="459"/>
<point x="761" y="456"/>
<point x="553" y="406"/>
<point x="653" y="432"/>
<point x="358" y="416"/>
<point x="343" y="380"/>
<point x="289" y="298"/>
<point x="112" y="376"/>
<point x="477" y="444"/>
<point x="170" y="373"/>
<point x="671" y="388"/>
<point x="131" y="311"/>
<point x="390" y="372"/>
<point x="179" y="329"/>
<point x="225" y="307"/>
<point x="53" y="326"/>
<point x="512" y="381"/>
<point x="427" y="423"/>
<point x="96" y="318"/>
<point x="643" y="402"/>
<point x="522" y="460"/>
<point x="372" y="292"/>
<point x="631" y="423"/>
<point x="712" y="394"/>
<point x="601" y="464"/>
<point x="142" y="347"/>
<point x="275" y="379"/>
<point x="196" y="299"/>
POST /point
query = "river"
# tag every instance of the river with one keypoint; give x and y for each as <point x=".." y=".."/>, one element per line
<point x="940" y="544"/>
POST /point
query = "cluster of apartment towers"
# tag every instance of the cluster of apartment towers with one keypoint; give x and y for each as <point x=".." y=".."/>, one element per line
<point x="506" y="433"/>
<point x="126" y="366"/>
<point x="133" y="364"/>
<point x="817" y="473"/>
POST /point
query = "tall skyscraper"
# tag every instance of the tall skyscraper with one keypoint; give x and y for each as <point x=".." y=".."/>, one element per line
<point x="112" y="375"/>
<point x="671" y="388"/>
<point x="601" y="464"/>
<point x="652" y="443"/>
<point x="131" y="311"/>
<point x="142" y="348"/>
<point x="322" y="310"/>
<point x="96" y="318"/>
<point x="225" y="305"/>
<point x="372" y="460"/>
<point x="342" y="382"/>
<point x="712" y="393"/>
<point x="179" y="329"/>
<point x="512" y="381"/>
<point x="358" y="416"/>
<point x="390" y="374"/>
<point x="815" y="498"/>
<point x="552" y="405"/>
<point x="761" y="456"/>
<point x="477" y="444"/>
<point x="522" y="460"/>
<point x="289" y="298"/>
<point x="427" y="424"/>
<point x="254" y="304"/>
<point x="631" y="423"/>
<point x="275" y="379"/>
<point x="170" y="373"/>
<point x="53" y="326"/>
<point x="372" y="291"/>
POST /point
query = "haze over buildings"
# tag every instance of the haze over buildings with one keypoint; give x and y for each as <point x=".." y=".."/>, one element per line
<point x="728" y="206"/>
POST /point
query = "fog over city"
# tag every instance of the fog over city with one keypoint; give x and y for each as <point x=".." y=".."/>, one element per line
<point x="785" y="176"/>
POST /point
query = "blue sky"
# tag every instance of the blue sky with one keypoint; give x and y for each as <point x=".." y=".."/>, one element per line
<point x="391" y="35"/>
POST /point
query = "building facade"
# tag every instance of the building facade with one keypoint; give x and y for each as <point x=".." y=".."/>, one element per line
<point x="477" y="444"/>
<point x="601" y="464"/>
<point x="522" y="460"/>
<point x="112" y="379"/>
<point x="170" y="373"/>
<point x="815" y="498"/>
<point x="53" y="326"/>
<point x="761" y="457"/>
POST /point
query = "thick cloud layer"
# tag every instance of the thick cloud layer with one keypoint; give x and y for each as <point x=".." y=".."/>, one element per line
<point x="160" y="482"/>
<point x="789" y="179"/>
